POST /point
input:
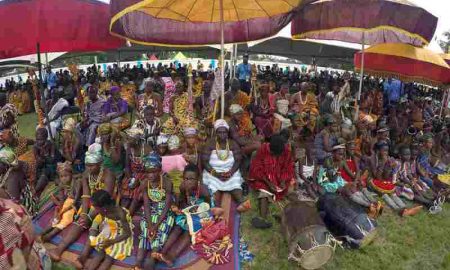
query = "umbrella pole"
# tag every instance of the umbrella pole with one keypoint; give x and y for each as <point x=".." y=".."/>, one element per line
<point x="444" y="98"/>
<point x="222" y="64"/>
<point x="361" y="79"/>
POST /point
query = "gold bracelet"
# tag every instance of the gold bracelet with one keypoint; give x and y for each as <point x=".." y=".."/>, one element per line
<point x="89" y="217"/>
<point x="85" y="196"/>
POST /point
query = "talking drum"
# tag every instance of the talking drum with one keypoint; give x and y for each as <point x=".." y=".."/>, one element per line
<point x="347" y="220"/>
<point x="310" y="243"/>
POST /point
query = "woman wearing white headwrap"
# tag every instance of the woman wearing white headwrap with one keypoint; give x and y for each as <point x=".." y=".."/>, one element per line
<point x="280" y="121"/>
<point x="221" y="161"/>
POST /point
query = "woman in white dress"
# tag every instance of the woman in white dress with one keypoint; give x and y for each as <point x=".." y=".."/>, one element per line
<point x="221" y="160"/>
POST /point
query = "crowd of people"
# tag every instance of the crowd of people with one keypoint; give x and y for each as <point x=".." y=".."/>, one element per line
<point x="150" y="142"/>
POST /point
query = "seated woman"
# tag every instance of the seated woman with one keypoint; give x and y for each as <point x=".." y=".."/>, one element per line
<point x="271" y="174"/>
<point x="157" y="220"/>
<point x="262" y="113"/>
<point x="191" y="145"/>
<point x="72" y="145"/>
<point x="69" y="193"/>
<point x="326" y="139"/>
<point x="410" y="184"/>
<point x="13" y="184"/>
<point x="113" y="152"/>
<point x="96" y="177"/>
<point x="115" y="108"/>
<point x="192" y="192"/>
<point x="429" y="173"/>
<point x="384" y="171"/>
<point x="280" y="120"/>
<point x="46" y="157"/>
<point x="128" y="91"/>
<point x="110" y="234"/>
<point x="92" y="115"/>
<point x="136" y="149"/>
<point x="181" y="115"/>
<point x="241" y="130"/>
<point x="221" y="160"/>
<point x="304" y="105"/>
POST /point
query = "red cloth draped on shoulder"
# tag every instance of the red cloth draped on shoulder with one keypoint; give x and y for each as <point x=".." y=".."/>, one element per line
<point x="276" y="169"/>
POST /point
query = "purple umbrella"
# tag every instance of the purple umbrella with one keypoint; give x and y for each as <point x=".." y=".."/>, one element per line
<point x="366" y="22"/>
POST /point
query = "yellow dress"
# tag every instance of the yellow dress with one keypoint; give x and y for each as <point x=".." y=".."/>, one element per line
<point x="66" y="214"/>
<point x="109" y="230"/>
<point x="127" y="92"/>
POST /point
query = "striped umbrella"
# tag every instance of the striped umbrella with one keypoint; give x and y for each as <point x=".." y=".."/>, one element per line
<point x="200" y="22"/>
<point x="405" y="62"/>
<point x="365" y="22"/>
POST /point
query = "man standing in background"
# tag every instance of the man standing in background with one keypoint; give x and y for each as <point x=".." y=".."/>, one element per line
<point x="244" y="73"/>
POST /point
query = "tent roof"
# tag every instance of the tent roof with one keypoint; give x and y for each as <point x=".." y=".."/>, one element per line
<point x="179" y="56"/>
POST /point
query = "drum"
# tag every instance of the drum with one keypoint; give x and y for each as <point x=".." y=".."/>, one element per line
<point x="383" y="187"/>
<point x="347" y="220"/>
<point x="310" y="244"/>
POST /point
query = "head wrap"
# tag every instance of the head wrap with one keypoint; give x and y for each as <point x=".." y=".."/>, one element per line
<point x="8" y="156"/>
<point x="174" y="142"/>
<point x="114" y="89"/>
<point x="104" y="129"/>
<point x="382" y="129"/>
<point x="427" y="137"/>
<point x="190" y="131"/>
<point x="221" y="123"/>
<point x="339" y="146"/>
<point x="134" y="133"/>
<point x="152" y="161"/>
<point x="64" y="167"/>
<point x="94" y="154"/>
<point x="235" y="108"/>
<point x="162" y="139"/>
<point x="69" y="124"/>
<point x="380" y="145"/>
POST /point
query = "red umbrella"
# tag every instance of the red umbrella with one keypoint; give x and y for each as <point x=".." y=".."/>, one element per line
<point x="57" y="25"/>
<point x="405" y="62"/>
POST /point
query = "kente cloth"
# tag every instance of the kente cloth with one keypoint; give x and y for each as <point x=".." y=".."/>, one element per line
<point x="8" y="119"/>
<point x="127" y="93"/>
<point x="276" y="169"/>
<point x="424" y="162"/>
<point x="221" y="166"/>
<point x="144" y="100"/>
<point x="169" y="90"/>
<point x="65" y="215"/>
<point x="156" y="242"/>
<point x="109" y="230"/>
<point x="352" y="167"/>
<point x="16" y="235"/>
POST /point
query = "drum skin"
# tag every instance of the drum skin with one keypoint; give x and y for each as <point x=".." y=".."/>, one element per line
<point x="306" y="234"/>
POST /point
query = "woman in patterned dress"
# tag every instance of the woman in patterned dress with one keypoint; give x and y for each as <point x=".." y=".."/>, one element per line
<point x="157" y="219"/>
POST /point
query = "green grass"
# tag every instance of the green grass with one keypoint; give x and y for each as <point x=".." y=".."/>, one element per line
<point x="421" y="242"/>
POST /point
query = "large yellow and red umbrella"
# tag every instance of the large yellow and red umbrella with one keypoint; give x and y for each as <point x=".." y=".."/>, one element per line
<point x="405" y="62"/>
<point x="200" y="22"/>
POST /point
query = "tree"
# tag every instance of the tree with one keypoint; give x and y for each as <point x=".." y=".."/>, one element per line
<point x="445" y="42"/>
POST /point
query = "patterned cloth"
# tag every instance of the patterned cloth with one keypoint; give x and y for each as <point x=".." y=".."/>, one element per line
<point x="169" y="90"/>
<point x="109" y="230"/>
<point x="157" y="204"/>
<point x="16" y="235"/>
<point x="8" y="119"/>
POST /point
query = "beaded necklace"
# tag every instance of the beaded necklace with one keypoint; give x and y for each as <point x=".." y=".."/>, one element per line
<point x="223" y="156"/>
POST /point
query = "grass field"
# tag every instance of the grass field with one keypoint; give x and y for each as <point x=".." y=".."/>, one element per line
<point x="421" y="242"/>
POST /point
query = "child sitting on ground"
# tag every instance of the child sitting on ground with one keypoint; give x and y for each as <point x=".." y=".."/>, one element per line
<point x="69" y="193"/>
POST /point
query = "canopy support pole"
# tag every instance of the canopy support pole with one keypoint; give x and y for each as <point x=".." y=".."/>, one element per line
<point x="222" y="64"/>
<point x="361" y="78"/>
<point x="38" y="52"/>
<point x="444" y="98"/>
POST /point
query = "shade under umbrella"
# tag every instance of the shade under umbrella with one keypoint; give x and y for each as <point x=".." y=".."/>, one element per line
<point x="200" y="22"/>
<point x="379" y="21"/>
<point x="197" y="22"/>
<point x="405" y="62"/>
